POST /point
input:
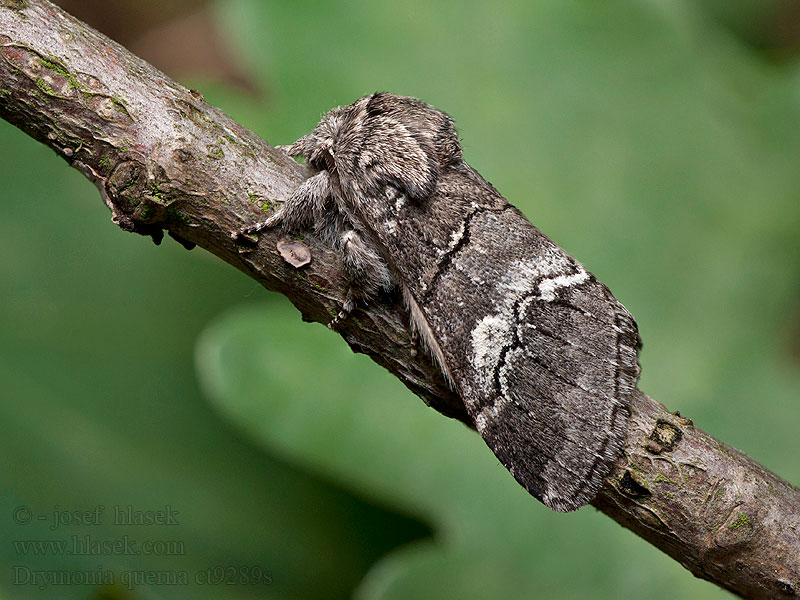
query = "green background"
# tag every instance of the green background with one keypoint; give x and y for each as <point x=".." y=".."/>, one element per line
<point x="657" y="142"/>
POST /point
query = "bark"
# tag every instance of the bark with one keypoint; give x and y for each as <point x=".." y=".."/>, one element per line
<point x="165" y="160"/>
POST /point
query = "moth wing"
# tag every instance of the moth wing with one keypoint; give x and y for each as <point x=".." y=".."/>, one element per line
<point x="541" y="353"/>
<point x="559" y="419"/>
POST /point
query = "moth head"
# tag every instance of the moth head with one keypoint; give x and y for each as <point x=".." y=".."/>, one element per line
<point x="318" y="146"/>
<point x="381" y="140"/>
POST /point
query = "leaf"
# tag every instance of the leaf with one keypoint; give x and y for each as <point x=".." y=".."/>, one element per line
<point x="298" y="390"/>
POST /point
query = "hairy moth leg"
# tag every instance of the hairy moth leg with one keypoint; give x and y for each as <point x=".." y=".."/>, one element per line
<point x="301" y="210"/>
<point x="365" y="271"/>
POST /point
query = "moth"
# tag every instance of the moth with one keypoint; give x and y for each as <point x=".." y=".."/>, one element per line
<point x="541" y="353"/>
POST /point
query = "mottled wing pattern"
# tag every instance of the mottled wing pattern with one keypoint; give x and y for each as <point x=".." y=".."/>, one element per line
<point x="575" y="357"/>
<point x="542" y="354"/>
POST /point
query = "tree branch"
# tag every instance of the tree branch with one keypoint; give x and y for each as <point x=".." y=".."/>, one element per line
<point x="163" y="159"/>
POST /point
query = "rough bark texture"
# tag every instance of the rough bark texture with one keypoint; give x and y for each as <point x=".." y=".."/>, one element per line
<point x="163" y="159"/>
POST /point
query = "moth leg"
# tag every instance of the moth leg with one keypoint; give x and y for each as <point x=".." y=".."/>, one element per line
<point x="365" y="271"/>
<point x="294" y="149"/>
<point x="300" y="210"/>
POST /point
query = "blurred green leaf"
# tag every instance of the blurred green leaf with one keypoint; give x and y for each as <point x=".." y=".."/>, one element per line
<point x="299" y="391"/>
